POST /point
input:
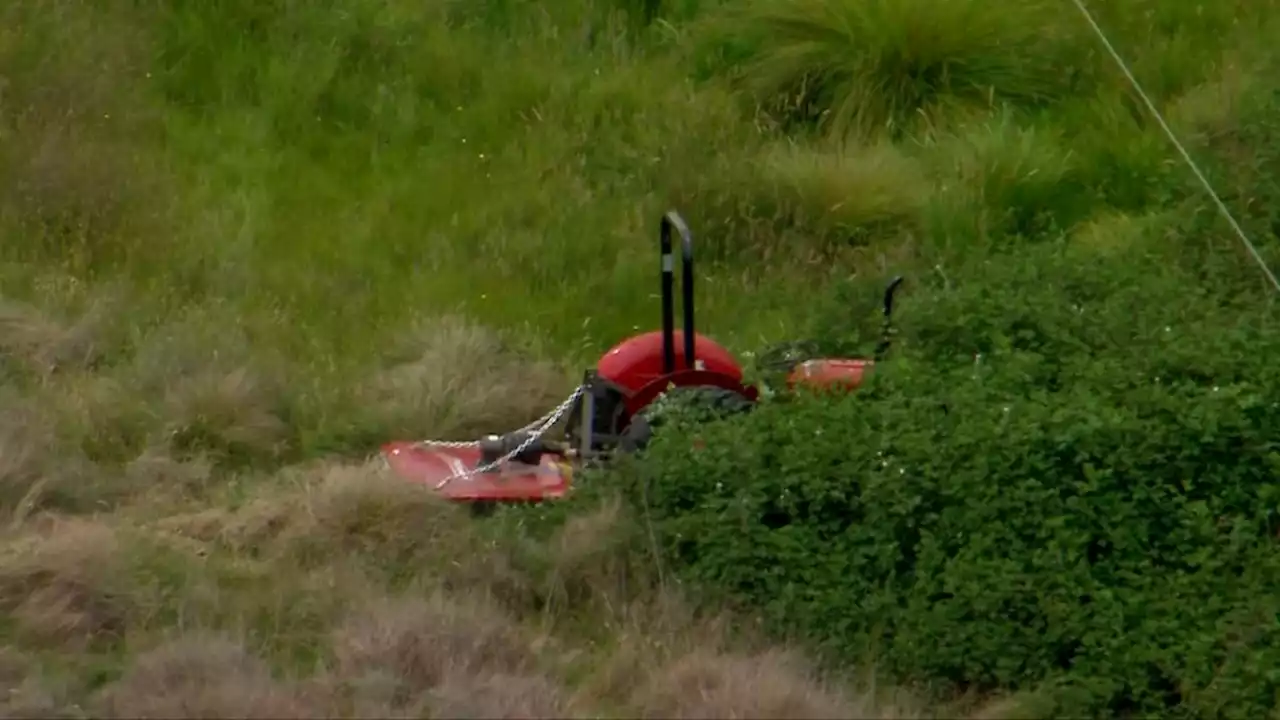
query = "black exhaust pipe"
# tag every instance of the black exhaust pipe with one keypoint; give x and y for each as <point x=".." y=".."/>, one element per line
<point x="886" y="331"/>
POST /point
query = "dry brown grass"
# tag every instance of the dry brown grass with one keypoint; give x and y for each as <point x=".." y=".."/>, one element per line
<point x="64" y="585"/>
<point x="481" y="696"/>
<point x="771" y="684"/>
<point x="227" y="413"/>
<point x="24" y="443"/>
<point x="199" y="676"/>
<point x="420" y="641"/>
<point x="361" y="508"/>
<point x="72" y="447"/>
<point x="33" y="698"/>
<point x="157" y="469"/>
<point x="455" y="656"/>
<point x="591" y="566"/>
<point x="46" y="345"/>
<point x="26" y="692"/>
<point x="456" y="379"/>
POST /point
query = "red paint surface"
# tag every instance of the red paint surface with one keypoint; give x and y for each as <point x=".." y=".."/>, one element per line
<point x="514" y="481"/>
<point x="637" y="361"/>
<point x="831" y="373"/>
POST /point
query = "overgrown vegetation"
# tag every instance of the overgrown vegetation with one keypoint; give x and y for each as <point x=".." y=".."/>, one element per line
<point x="242" y="243"/>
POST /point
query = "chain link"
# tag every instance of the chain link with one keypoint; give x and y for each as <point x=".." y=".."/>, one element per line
<point x="536" y="430"/>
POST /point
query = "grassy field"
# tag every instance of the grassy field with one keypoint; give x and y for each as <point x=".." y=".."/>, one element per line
<point x="242" y="242"/>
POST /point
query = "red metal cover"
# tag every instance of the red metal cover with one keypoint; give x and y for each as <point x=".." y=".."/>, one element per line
<point x="830" y="373"/>
<point x="637" y="361"/>
<point x="429" y="466"/>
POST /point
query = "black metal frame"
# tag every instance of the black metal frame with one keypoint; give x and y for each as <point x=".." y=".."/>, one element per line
<point x="886" y="331"/>
<point x="673" y="223"/>
<point x="592" y="421"/>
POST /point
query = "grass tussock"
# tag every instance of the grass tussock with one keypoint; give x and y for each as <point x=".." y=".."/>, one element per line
<point x="64" y="586"/>
<point x="44" y="345"/>
<point x="870" y="68"/>
<point x="30" y="692"/>
<point x="416" y="646"/>
<point x="473" y="697"/>
<point x="455" y="379"/>
<point x="363" y="506"/>
<point x="707" y="685"/>
<point x="198" y="675"/>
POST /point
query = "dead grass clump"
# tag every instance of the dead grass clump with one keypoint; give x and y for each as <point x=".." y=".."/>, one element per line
<point x="387" y="526"/>
<point x="457" y="380"/>
<point x="417" y="644"/>
<point x="592" y="566"/>
<point x="154" y="469"/>
<point x="64" y="586"/>
<point x="773" y="684"/>
<point x="396" y="528"/>
<point x="228" y="415"/>
<point x="46" y="345"/>
<point x="498" y="695"/>
<point x="252" y="528"/>
<point x="209" y="393"/>
<point x="25" y="691"/>
<point x="59" y="443"/>
<point x="34" y="698"/>
<point x="360" y="508"/>
<point x="25" y="446"/>
<point x="199" y="676"/>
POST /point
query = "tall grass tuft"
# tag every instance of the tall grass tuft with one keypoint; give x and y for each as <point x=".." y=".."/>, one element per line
<point x="875" y="67"/>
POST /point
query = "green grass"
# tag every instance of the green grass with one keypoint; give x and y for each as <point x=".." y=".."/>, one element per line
<point x="241" y="239"/>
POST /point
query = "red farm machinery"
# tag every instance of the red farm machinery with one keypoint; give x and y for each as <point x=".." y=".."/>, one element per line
<point x="610" y="411"/>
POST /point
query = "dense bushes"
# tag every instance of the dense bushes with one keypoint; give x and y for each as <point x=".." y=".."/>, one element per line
<point x="1064" y="481"/>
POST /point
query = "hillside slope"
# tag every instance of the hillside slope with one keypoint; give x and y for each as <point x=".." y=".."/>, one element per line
<point x="242" y="243"/>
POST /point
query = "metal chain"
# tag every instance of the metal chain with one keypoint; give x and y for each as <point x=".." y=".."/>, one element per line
<point x="536" y="430"/>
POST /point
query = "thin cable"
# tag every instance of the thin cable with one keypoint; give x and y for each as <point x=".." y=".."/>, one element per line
<point x="1195" y="168"/>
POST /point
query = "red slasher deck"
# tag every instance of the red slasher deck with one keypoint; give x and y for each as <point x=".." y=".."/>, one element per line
<point x="430" y="466"/>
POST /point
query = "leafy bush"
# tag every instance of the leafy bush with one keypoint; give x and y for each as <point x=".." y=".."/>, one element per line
<point x="1063" y="481"/>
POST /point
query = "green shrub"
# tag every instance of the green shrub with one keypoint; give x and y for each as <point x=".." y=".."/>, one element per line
<point x="1063" y="481"/>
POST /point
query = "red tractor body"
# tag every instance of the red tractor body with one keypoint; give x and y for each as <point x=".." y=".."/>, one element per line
<point x="635" y="367"/>
<point x="638" y="361"/>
